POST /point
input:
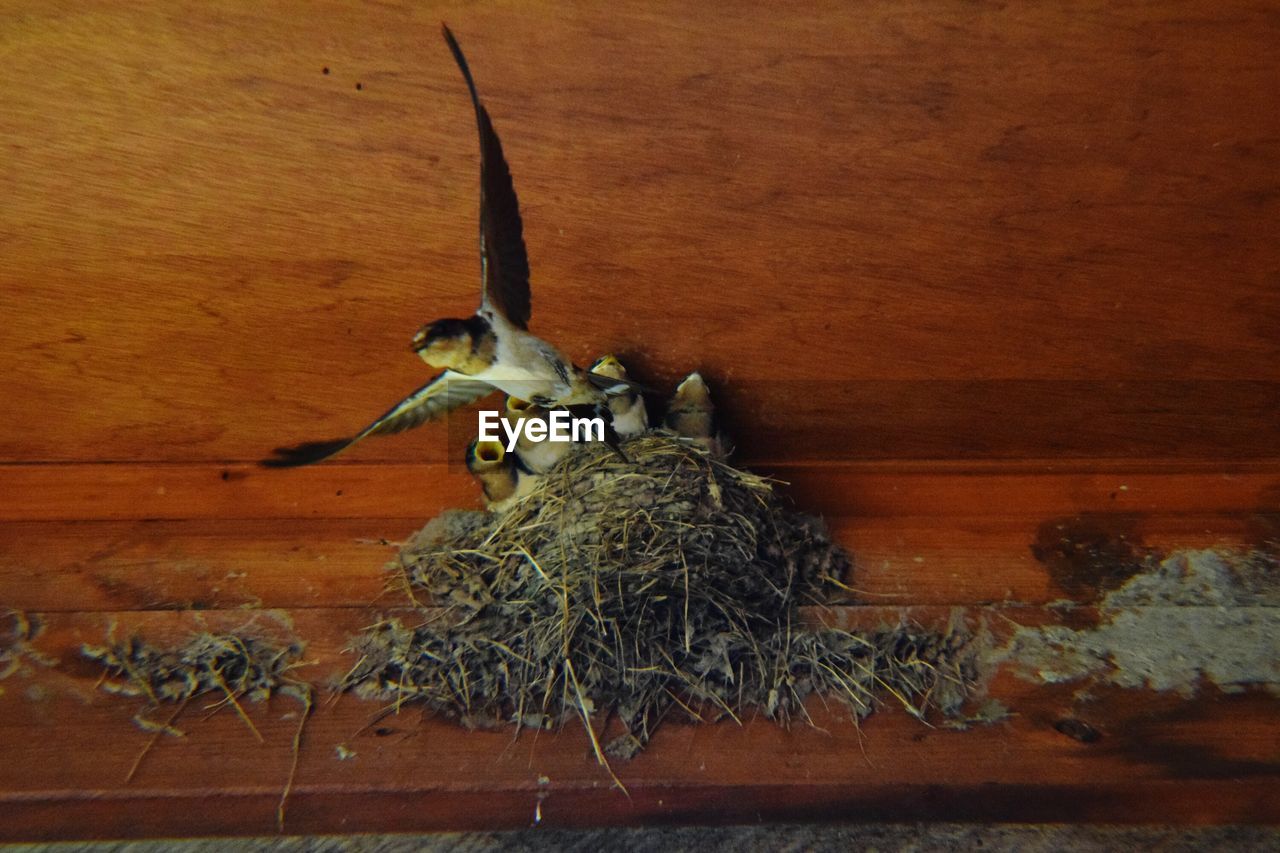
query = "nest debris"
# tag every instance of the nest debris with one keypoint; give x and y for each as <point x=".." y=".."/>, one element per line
<point x="668" y="581"/>
<point x="229" y="666"/>
<point x="17" y="630"/>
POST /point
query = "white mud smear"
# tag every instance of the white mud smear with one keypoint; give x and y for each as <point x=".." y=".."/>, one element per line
<point x="1198" y="616"/>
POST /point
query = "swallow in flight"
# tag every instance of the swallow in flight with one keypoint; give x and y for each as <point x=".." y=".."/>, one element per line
<point x="492" y="349"/>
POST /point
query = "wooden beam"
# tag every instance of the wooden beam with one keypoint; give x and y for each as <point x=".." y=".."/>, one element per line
<point x="67" y="749"/>
<point x="928" y="489"/>
<point x="885" y="230"/>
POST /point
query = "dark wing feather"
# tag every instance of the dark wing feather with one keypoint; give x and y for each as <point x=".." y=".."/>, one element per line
<point x="614" y="387"/>
<point x="446" y="392"/>
<point x="504" y="264"/>
<point x="305" y="454"/>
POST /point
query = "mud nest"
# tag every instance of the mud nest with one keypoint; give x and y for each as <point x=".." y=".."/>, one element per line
<point x="227" y="667"/>
<point x="667" y="582"/>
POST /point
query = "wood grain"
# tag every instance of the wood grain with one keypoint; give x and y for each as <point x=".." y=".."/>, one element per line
<point x="125" y="537"/>
<point x="886" y="230"/>
<point x="1027" y="488"/>
<point x="962" y="535"/>
<point x="1153" y="754"/>
<point x="975" y="280"/>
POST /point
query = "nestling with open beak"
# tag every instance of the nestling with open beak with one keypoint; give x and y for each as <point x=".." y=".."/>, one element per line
<point x="501" y="476"/>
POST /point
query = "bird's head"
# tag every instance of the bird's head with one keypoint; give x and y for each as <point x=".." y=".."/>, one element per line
<point x="518" y="407"/>
<point x="516" y="410"/>
<point x="691" y="393"/>
<point x="494" y="468"/>
<point x="483" y="456"/>
<point x="609" y="366"/>
<point x="465" y="346"/>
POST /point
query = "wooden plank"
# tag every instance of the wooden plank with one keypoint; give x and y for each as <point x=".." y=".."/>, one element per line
<point x="877" y="233"/>
<point x="925" y="489"/>
<point x="333" y="812"/>
<point x="99" y="492"/>
<point x="981" y="559"/>
<point x="206" y="564"/>
<point x="1041" y="268"/>
<point x="304" y="563"/>
<point x="1045" y="489"/>
<point x="66" y="750"/>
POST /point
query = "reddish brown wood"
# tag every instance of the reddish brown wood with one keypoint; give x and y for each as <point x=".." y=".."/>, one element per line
<point x="886" y="230"/>
<point x="1036" y="489"/>
<point x="958" y="273"/>
<point x="303" y="563"/>
<point x="1221" y="748"/>
<point x="919" y="544"/>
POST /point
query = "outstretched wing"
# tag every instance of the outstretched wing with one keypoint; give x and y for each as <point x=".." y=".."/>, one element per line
<point x="446" y="392"/>
<point x="504" y="265"/>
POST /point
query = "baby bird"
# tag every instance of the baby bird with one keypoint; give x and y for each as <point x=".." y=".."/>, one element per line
<point x="692" y="414"/>
<point x="538" y="457"/>
<point x="493" y="469"/>
<point x="630" y="417"/>
<point x="500" y="475"/>
<point x="493" y="348"/>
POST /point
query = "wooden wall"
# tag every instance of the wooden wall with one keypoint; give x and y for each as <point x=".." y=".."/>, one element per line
<point x="887" y="229"/>
<point x="944" y="243"/>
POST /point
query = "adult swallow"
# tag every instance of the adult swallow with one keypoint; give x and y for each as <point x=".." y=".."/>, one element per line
<point x="630" y="417"/>
<point x="493" y="348"/>
<point x="691" y="414"/>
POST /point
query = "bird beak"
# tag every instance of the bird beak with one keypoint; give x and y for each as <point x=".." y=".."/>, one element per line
<point x="485" y="456"/>
<point x="516" y="406"/>
<point x="490" y="452"/>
